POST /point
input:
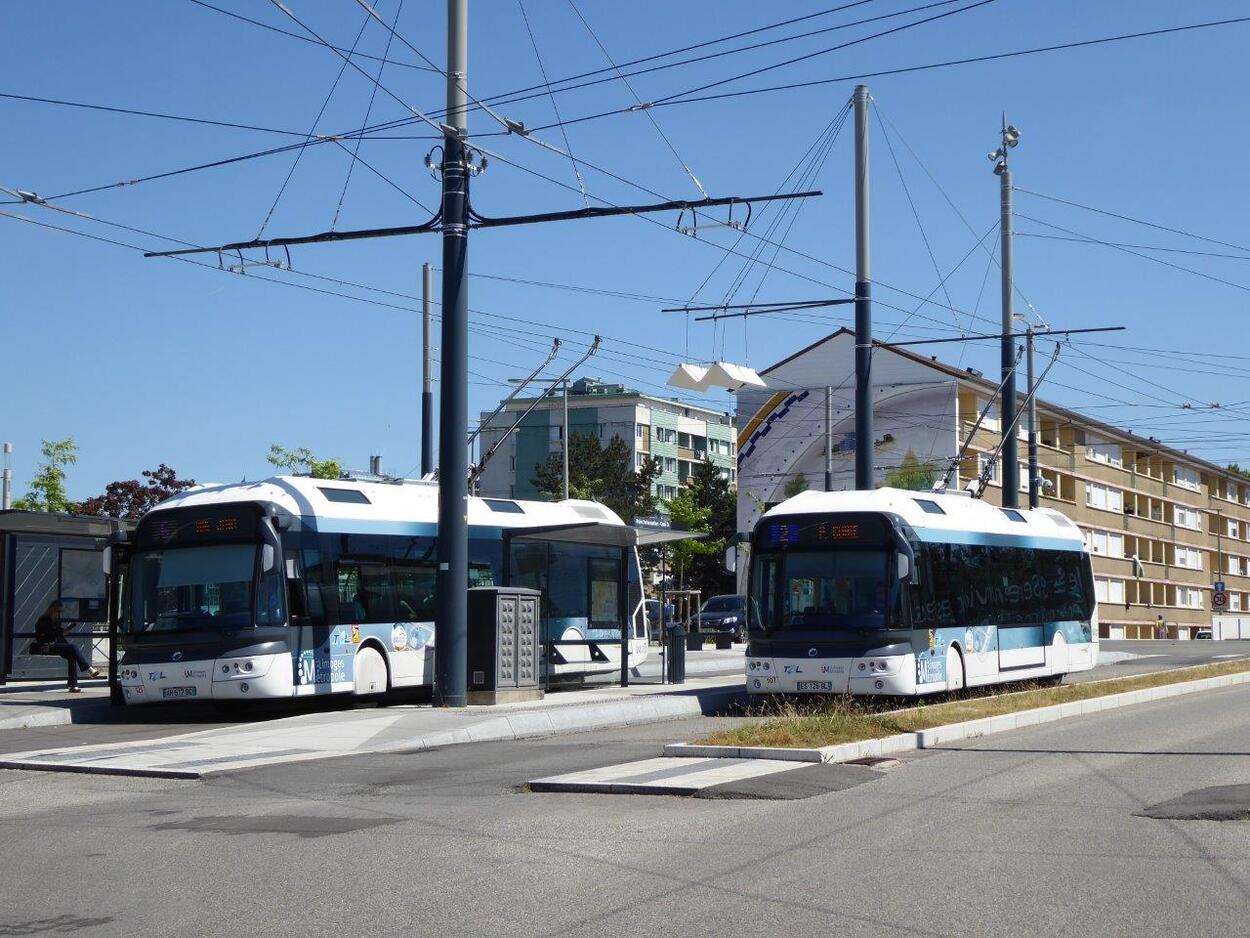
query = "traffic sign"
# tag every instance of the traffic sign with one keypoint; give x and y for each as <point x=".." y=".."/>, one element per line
<point x="1219" y="599"/>
<point x="1219" y="586"/>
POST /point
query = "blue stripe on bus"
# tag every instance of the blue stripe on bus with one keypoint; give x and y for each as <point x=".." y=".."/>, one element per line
<point x="942" y="536"/>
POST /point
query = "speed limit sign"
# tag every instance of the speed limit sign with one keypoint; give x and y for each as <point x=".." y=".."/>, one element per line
<point x="1219" y="599"/>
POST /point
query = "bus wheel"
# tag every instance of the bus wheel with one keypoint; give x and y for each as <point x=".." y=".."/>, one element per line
<point x="370" y="672"/>
<point x="954" y="669"/>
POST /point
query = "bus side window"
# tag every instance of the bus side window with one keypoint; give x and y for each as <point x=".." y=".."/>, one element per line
<point x="295" y="591"/>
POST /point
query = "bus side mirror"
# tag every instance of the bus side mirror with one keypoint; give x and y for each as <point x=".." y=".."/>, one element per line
<point x="107" y="560"/>
<point x="268" y="558"/>
<point x="731" y="558"/>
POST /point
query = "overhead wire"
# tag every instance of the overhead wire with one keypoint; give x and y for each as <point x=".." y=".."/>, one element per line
<point x="287" y="32"/>
<point x="312" y="131"/>
<point x="555" y="106"/>
<point x="373" y="94"/>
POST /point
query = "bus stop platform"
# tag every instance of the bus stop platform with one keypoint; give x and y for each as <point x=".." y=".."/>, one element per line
<point x="175" y="753"/>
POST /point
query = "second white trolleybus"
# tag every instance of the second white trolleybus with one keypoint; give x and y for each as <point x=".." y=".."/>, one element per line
<point x="905" y="593"/>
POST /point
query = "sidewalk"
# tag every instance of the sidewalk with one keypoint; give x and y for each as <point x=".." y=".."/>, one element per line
<point x="30" y="705"/>
<point x="400" y="728"/>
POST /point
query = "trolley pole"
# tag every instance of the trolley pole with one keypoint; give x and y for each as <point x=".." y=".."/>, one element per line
<point x="427" y="376"/>
<point x="828" y="439"/>
<point x="863" y="300"/>
<point x="451" y="598"/>
<point x="1034" y="481"/>
<point x="1011" y="463"/>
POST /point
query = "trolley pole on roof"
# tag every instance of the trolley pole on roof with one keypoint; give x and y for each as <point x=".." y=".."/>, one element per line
<point x="1011" y="463"/>
<point x="427" y="392"/>
<point x="451" y="600"/>
<point x="863" y="300"/>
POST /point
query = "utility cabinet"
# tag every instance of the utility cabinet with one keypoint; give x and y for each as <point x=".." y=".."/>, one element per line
<point x="505" y="647"/>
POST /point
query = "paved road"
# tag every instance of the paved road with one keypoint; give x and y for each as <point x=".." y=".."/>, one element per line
<point x="1026" y="833"/>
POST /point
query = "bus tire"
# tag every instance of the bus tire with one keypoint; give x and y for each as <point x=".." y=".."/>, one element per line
<point x="369" y="673"/>
<point x="955" y="678"/>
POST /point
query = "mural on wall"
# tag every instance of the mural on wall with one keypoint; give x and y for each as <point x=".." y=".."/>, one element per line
<point x="781" y="446"/>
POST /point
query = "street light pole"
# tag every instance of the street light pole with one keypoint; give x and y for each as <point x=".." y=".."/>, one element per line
<point x="451" y="598"/>
<point x="564" y="432"/>
<point x="1011" y="464"/>
<point x="1034" y="482"/>
<point x="863" y="300"/>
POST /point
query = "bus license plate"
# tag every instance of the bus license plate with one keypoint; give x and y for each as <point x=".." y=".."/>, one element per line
<point x="813" y="686"/>
<point x="171" y="692"/>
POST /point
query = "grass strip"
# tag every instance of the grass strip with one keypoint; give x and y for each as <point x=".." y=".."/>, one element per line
<point x="799" y="725"/>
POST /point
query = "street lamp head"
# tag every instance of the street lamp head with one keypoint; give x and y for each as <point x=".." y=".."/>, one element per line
<point x="1011" y="135"/>
<point x="1000" y="168"/>
<point x="993" y="155"/>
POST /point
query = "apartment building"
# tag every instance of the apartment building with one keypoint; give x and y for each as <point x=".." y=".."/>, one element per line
<point x="1163" y="526"/>
<point x="680" y="435"/>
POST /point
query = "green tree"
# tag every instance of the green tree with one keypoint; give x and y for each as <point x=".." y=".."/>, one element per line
<point x="911" y="474"/>
<point x="47" y="489"/>
<point x="293" y="460"/>
<point x="795" y="485"/>
<point x="1238" y="471"/>
<point x="600" y="473"/>
<point x="706" y="504"/>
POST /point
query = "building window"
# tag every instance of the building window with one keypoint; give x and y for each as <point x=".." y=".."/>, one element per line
<point x="1103" y="496"/>
<point x="1108" y="590"/>
<point x="1188" y="558"/>
<point x="1234" y="602"/>
<point x="670" y="464"/>
<point x="1106" y="543"/>
<point x="1187" y="478"/>
<point x="1187" y="518"/>
<point x="641" y="430"/>
<point x="1100" y="450"/>
<point x="1232" y="528"/>
<point x="1234" y="565"/>
<point x="1188" y="598"/>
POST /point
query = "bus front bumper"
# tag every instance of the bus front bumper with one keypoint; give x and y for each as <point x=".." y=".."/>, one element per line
<point x="886" y="675"/>
<point x="243" y="677"/>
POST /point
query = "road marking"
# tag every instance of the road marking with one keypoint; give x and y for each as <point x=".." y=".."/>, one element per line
<point x="663" y="776"/>
<point x="1229" y="656"/>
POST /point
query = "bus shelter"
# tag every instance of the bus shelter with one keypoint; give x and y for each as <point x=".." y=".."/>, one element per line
<point x="44" y="557"/>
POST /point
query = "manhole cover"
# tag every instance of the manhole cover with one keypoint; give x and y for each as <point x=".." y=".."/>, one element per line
<point x="1221" y="803"/>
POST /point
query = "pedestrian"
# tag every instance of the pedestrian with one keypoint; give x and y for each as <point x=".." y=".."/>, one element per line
<point x="51" y="636"/>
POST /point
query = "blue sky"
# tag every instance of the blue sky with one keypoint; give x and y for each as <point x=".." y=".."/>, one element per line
<point x="146" y="361"/>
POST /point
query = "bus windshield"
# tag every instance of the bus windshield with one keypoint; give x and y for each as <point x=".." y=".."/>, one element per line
<point x="193" y="588"/>
<point x="820" y="589"/>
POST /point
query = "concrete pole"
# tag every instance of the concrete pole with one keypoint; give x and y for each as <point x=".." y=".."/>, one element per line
<point x="565" y="441"/>
<point x="828" y="439"/>
<point x="427" y="373"/>
<point x="863" y="300"/>
<point x="6" y="495"/>
<point x="451" y="591"/>
<point x="1011" y="464"/>
<point x="1034" y="485"/>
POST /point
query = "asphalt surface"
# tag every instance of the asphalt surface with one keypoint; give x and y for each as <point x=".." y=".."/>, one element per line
<point x="1026" y="833"/>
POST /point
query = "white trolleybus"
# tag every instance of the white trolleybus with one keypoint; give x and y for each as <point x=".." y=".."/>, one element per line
<point x="905" y="593"/>
<point x="297" y="586"/>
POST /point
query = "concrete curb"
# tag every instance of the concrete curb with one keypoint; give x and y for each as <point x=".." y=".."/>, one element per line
<point x="955" y="732"/>
<point x="574" y="719"/>
<point x="41" y="716"/>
